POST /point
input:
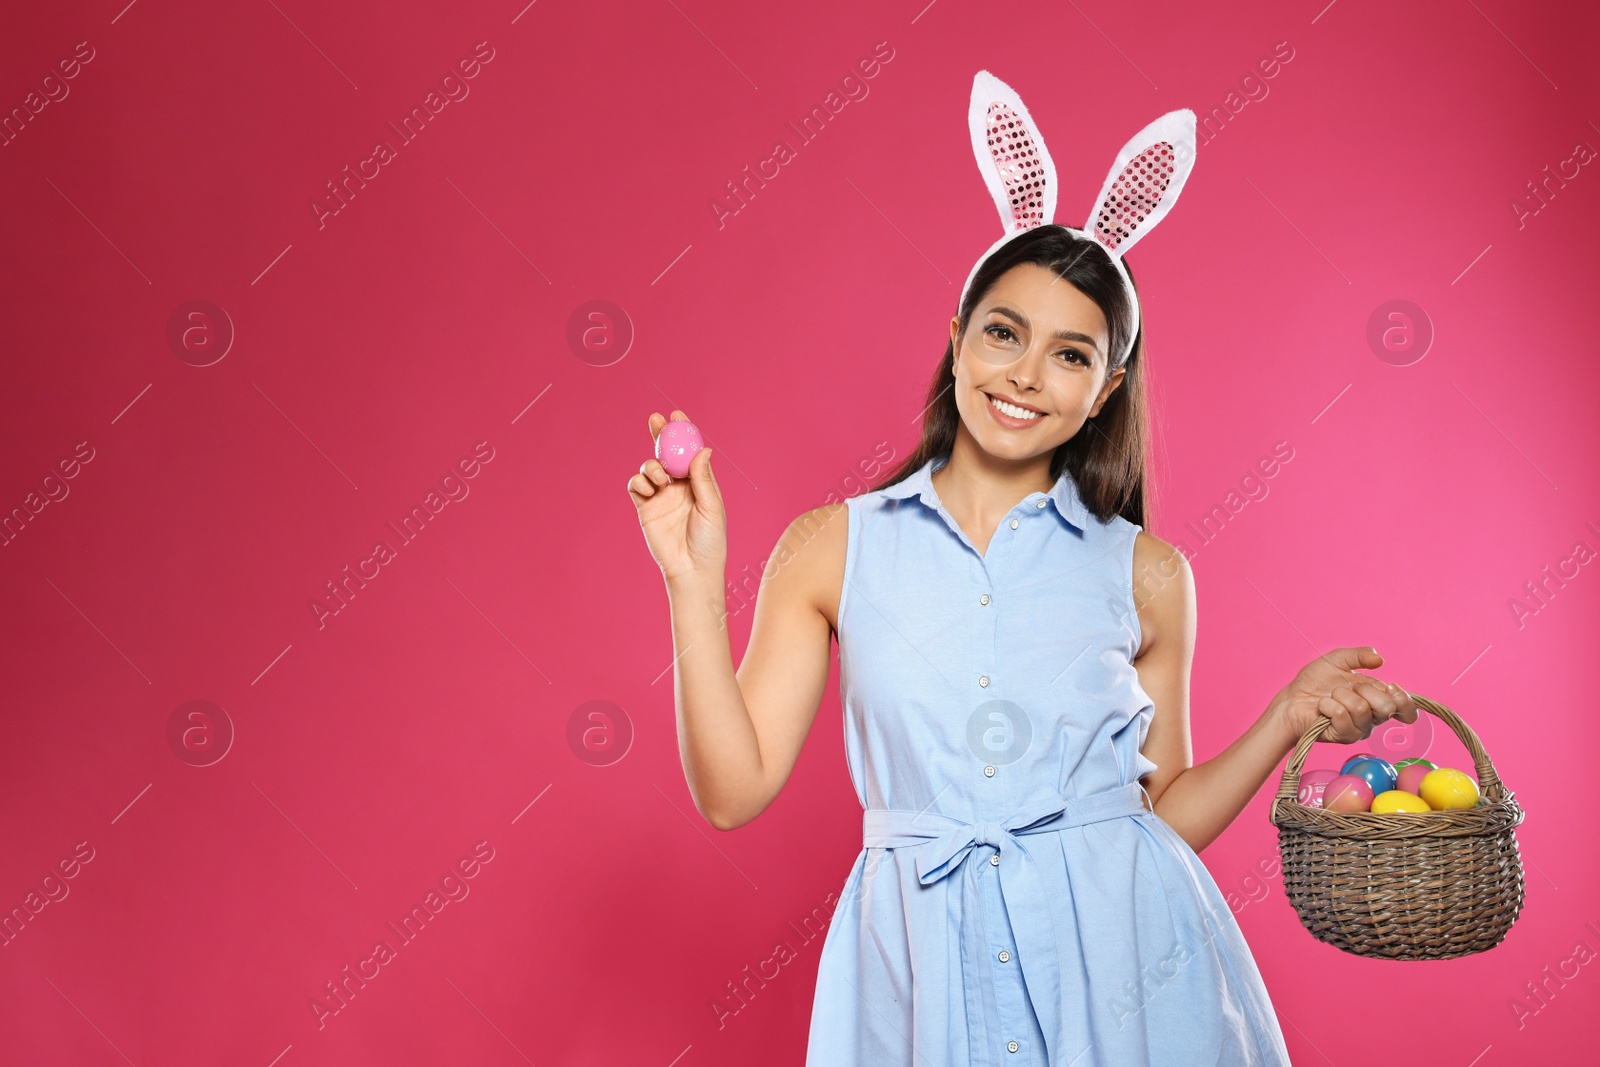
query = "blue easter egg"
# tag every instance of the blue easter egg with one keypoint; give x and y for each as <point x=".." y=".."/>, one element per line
<point x="1353" y="760"/>
<point x="1379" y="773"/>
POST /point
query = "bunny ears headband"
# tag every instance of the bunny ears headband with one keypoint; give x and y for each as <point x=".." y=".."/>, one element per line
<point x="1141" y="188"/>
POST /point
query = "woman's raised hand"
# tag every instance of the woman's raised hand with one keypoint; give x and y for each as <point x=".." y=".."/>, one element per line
<point x="1331" y="686"/>
<point x="682" y="518"/>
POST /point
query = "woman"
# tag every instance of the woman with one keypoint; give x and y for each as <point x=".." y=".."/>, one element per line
<point x="1015" y="656"/>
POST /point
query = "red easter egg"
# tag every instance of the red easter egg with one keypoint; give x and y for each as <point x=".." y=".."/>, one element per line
<point x="1348" y="792"/>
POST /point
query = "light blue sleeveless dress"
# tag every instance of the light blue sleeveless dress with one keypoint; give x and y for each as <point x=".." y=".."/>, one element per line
<point x="1015" y="902"/>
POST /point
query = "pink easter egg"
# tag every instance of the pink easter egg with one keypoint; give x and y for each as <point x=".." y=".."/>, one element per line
<point x="1411" y="776"/>
<point x="1348" y="792"/>
<point x="1312" y="786"/>
<point x="676" y="445"/>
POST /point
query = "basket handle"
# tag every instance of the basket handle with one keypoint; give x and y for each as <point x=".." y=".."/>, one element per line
<point x="1488" y="778"/>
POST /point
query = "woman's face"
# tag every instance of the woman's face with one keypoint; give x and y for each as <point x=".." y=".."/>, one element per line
<point x="1035" y="341"/>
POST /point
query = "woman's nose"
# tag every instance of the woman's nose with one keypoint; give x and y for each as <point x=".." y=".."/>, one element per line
<point x="1026" y="369"/>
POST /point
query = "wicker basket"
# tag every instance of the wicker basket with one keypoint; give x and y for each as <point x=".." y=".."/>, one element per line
<point x="1403" y="885"/>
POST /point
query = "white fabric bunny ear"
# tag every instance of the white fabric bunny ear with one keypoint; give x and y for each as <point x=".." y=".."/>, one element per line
<point x="1011" y="155"/>
<point x="1144" y="182"/>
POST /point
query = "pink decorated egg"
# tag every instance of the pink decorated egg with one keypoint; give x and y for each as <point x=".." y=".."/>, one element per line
<point x="1348" y="792"/>
<point x="1411" y="776"/>
<point x="676" y="445"/>
<point x="1312" y="786"/>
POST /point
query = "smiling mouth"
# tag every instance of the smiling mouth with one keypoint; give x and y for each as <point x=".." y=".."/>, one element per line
<point x="1012" y="411"/>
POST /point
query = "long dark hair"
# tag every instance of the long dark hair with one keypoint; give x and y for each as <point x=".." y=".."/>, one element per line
<point x="1107" y="456"/>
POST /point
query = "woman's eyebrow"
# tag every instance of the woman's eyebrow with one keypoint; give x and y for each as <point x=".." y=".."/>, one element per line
<point x="1060" y="335"/>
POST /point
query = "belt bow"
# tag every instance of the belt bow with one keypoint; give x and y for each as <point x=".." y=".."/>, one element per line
<point x="941" y="844"/>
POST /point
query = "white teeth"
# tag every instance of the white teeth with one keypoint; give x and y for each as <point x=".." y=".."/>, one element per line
<point x="1012" y="409"/>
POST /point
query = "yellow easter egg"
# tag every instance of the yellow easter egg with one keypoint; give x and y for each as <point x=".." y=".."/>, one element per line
<point x="1448" y="788"/>
<point x="1398" y="800"/>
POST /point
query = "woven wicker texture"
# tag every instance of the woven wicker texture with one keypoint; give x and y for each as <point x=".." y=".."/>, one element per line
<point x="1403" y="885"/>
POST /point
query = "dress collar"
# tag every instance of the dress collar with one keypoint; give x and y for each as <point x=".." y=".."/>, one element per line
<point x="1069" y="505"/>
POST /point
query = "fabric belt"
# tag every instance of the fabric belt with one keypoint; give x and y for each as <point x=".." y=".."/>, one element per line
<point x="942" y="842"/>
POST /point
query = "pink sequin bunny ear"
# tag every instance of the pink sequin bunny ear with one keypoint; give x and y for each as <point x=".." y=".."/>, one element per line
<point x="1011" y="155"/>
<point x="1144" y="182"/>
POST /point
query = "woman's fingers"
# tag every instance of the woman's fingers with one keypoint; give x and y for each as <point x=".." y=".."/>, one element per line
<point x="1360" y="713"/>
<point x="704" y="482"/>
<point x="1378" y="698"/>
<point x="652" y="475"/>
<point x="1370" y="702"/>
<point x="658" y="420"/>
<point x="655" y="472"/>
<point x="1354" y="709"/>
<point x="1342" y="730"/>
<point x="1407" y="710"/>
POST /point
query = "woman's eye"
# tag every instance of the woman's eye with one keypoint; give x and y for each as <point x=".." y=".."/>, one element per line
<point x="1001" y="333"/>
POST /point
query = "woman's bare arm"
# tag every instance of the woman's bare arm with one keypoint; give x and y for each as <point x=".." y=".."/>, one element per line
<point x="1200" y="801"/>
<point x="740" y="733"/>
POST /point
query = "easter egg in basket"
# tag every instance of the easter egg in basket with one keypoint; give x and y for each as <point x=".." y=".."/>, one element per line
<point x="1447" y="788"/>
<point x="1379" y="773"/>
<point x="1412" y="774"/>
<point x="1312" y="785"/>
<point x="1348" y="792"/>
<point x="1398" y="800"/>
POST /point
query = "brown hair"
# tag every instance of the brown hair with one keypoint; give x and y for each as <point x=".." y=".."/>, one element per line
<point x="1107" y="456"/>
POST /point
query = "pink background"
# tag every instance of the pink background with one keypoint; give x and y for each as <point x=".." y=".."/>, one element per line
<point x="374" y="752"/>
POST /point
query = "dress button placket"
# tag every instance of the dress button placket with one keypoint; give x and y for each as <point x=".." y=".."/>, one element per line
<point x="1014" y="1019"/>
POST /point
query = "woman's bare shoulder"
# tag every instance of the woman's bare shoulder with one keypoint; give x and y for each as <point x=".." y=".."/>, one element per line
<point x="811" y="552"/>
<point x="1151" y="553"/>
<point x="1163" y="587"/>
